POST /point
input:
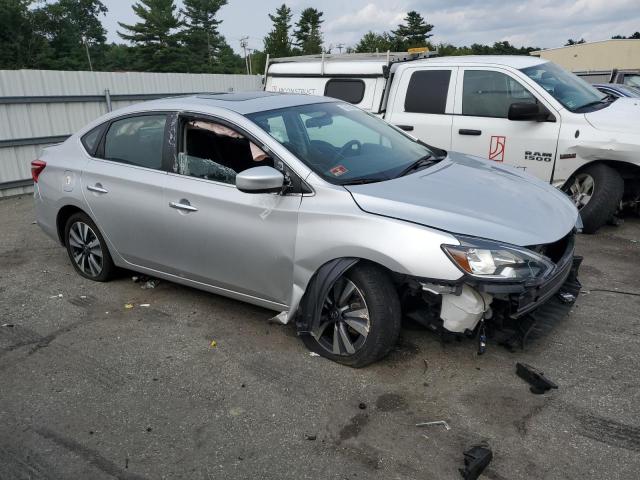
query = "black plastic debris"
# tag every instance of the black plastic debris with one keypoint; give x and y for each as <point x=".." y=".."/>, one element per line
<point x="534" y="377"/>
<point x="310" y="437"/>
<point x="476" y="460"/>
<point x="362" y="406"/>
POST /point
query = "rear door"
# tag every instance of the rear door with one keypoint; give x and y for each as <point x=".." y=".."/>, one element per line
<point x="123" y="183"/>
<point x="423" y="104"/>
<point x="481" y="126"/>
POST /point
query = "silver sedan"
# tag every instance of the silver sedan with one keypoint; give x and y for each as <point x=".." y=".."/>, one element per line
<point x="315" y="209"/>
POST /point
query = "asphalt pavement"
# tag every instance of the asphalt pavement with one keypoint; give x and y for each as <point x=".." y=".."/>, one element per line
<point x="198" y="386"/>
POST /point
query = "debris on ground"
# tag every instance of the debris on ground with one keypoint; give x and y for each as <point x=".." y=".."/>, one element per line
<point x="7" y="325"/>
<point x="213" y="344"/>
<point x="314" y="354"/>
<point x="476" y="460"/>
<point x="534" y="377"/>
<point x="153" y="283"/>
<point x="362" y="406"/>
<point x="147" y="282"/>
<point x="128" y="306"/>
<point x="310" y="437"/>
<point x="435" y="422"/>
<point x="56" y="296"/>
<point x="145" y="304"/>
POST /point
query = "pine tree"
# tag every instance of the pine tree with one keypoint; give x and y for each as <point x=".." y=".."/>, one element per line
<point x="201" y="35"/>
<point x="413" y="33"/>
<point x="308" y="35"/>
<point x="156" y="36"/>
<point x="277" y="43"/>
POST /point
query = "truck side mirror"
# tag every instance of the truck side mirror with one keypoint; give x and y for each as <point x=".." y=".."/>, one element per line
<point x="525" y="111"/>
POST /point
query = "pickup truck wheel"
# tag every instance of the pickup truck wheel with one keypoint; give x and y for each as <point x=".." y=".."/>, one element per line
<point x="596" y="191"/>
<point x="87" y="249"/>
<point x="360" y="318"/>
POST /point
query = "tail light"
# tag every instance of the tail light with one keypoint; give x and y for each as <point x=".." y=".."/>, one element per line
<point x="37" y="166"/>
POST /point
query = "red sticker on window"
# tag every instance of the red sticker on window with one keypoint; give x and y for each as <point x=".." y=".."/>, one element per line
<point x="338" y="170"/>
<point x="496" y="148"/>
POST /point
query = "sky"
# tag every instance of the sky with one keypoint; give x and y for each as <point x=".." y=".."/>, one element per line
<point x="541" y="23"/>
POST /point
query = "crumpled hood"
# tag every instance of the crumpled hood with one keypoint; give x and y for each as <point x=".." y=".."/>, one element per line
<point x="623" y="115"/>
<point x="471" y="196"/>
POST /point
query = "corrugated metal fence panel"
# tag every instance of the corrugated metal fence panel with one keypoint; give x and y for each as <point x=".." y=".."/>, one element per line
<point x="33" y="118"/>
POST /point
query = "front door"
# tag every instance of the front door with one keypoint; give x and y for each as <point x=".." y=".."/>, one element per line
<point x="123" y="188"/>
<point x="481" y="126"/>
<point x="220" y="236"/>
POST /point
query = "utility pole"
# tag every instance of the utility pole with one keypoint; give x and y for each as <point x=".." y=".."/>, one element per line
<point x="244" y="42"/>
<point x="249" y="50"/>
<point x="340" y="46"/>
<point x="86" y="47"/>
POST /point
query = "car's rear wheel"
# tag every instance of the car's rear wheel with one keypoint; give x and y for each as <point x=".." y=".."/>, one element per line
<point x="87" y="249"/>
<point x="360" y="318"/>
<point x="596" y="191"/>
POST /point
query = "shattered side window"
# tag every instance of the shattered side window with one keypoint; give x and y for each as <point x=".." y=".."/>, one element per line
<point x="213" y="151"/>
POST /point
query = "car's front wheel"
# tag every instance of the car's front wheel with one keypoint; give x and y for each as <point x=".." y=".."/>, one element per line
<point x="360" y="318"/>
<point x="87" y="249"/>
<point x="596" y="191"/>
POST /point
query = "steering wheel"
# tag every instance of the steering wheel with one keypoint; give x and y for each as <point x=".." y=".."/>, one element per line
<point x="348" y="147"/>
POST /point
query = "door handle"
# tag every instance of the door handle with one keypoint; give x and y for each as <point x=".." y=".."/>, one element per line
<point x="97" y="188"/>
<point x="183" y="206"/>
<point x="406" y="128"/>
<point x="465" y="131"/>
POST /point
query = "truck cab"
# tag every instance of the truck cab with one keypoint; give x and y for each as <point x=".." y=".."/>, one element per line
<point x="517" y="110"/>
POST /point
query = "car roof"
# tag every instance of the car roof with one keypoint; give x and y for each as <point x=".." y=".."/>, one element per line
<point x="515" y="61"/>
<point x="241" y="102"/>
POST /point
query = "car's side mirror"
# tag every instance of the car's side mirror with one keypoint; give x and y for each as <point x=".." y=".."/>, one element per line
<point x="260" y="180"/>
<point x="523" y="111"/>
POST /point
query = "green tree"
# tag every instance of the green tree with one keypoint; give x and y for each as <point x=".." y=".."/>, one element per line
<point x="156" y="36"/>
<point x="571" y="41"/>
<point x="20" y="44"/>
<point x="277" y="43"/>
<point x="635" y="36"/>
<point x="71" y="27"/>
<point x="308" y="35"/>
<point x="374" y="42"/>
<point x="413" y="33"/>
<point x="200" y="34"/>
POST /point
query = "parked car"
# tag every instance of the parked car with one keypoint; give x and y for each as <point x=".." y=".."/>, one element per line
<point x="617" y="90"/>
<point x="315" y="209"/>
<point x="517" y="110"/>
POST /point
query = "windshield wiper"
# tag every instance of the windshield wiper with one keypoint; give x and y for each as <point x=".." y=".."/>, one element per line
<point x="362" y="181"/>
<point x="607" y="99"/>
<point x="425" y="161"/>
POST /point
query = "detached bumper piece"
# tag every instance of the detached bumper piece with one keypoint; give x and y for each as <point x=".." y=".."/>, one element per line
<point x="536" y="312"/>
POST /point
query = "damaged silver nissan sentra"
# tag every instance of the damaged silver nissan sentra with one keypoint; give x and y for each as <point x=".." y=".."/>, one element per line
<point x="313" y="208"/>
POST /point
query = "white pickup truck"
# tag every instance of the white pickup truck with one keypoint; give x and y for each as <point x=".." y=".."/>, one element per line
<point x="523" y="111"/>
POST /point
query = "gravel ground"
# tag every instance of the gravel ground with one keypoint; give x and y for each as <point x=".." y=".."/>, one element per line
<point x="92" y="390"/>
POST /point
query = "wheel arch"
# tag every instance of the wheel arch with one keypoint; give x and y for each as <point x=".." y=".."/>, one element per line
<point x="301" y="287"/>
<point x="61" y="219"/>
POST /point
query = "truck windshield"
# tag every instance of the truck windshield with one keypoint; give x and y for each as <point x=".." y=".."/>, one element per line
<point x="343" y="144"/>
<point x="571" y="91"/>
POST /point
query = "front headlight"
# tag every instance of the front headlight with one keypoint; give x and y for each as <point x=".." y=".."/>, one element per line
<point x="488" y="259"/>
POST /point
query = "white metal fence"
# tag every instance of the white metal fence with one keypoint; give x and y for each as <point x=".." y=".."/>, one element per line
<point x="43" y="107"/>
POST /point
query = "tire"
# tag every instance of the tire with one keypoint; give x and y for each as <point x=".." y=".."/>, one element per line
<point x="373" y="286"/>
<point x="87" y="249"/>
<point x="603" y="194"/>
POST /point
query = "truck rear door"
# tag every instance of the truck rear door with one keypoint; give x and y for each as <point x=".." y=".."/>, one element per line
<point x="422" y="103"/>
<point x="481" y="126"/>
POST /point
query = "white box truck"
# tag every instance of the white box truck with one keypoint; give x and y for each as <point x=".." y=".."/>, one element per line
<point x="519" y="110"/>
